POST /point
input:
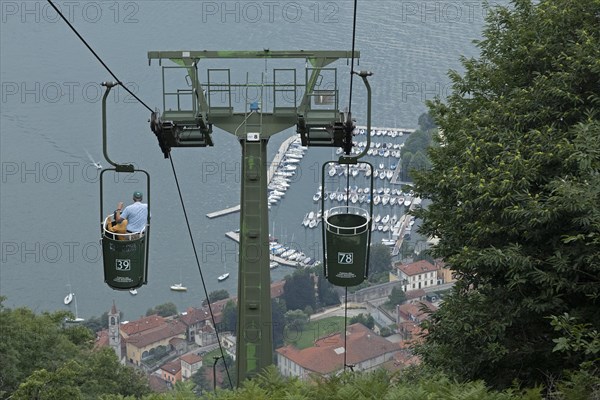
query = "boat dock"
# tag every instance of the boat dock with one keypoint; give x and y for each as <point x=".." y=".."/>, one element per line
<point x="376" y="128"/>
<point x="270" y="172"/>
<point x="282" y="261"/>
<point x="226" y="211"/>
<point x="403" y="227"/>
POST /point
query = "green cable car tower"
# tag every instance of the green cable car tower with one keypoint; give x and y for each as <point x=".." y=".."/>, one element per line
<point x="285" y="101"/>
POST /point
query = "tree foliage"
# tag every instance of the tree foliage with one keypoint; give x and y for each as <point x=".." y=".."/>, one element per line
<point x="366" y="320"/>
<point x="164" y="310"/>
<point x="515" y="190"/>
<point x="42" y="357"/>
<point x="397" y="296"/>
<point x="414" y="152"/>
<point x="380" y="259"/>
<point x="230" y="315"/>
<point x="217" y="295"/>
<point x="299" y="290"/>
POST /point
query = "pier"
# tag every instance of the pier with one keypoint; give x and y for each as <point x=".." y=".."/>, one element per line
<point x="226" y="211"/>
<point x="270" y="172"/>
<point x="406" y="223"/>
<point x="282" y="261"/>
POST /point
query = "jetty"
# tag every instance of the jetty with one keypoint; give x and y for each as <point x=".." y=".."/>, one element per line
<point x="235" y="236"/>
<point x="270" y="173"/>
<point x="405" y="227"/>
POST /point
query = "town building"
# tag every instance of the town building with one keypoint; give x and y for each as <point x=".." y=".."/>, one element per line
<point x="366" y="351"/>
<point x="416" y="275"/>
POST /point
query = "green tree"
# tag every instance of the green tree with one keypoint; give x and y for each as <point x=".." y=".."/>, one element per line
<point x="296" y="318"/>
<point x="366" y="320"/>
<point x="164" y="310"/>
<point x="217" y="295"/>
<point x="230" y="314"/>
<point x="515" y="191"/>
<point x="299" y="290"/>
<point x="203" y="377"/>
<point x="31" y="342"/>
<point x="397" y="296"/>
<point x="278" y="314"/>
<point x="98" y="323"/>
<point x="380" y="259"/>
<point x="426" y="123"/>
<point x="327" y="294"/>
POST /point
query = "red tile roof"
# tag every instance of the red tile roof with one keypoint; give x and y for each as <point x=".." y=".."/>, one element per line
<point x="415" y="294"/>
<point x="191" y="358"/>
<point x="277" y="289"/>
<point x="168" y="330"/>
<point x="194" y="316"/>
<point x="327" y="355"/>
<point x="416" y="268"/>
<point x="142" y="324"/>
<point x="412" y="311"/>
<point x="172" y="367"/>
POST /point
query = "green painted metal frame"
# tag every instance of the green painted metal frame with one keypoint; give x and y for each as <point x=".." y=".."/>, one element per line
<point x="254" y="340"/>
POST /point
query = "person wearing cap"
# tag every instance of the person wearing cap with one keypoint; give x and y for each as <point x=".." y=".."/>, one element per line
<point x="136" y="214"/>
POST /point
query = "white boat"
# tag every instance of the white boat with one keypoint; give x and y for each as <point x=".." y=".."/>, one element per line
<point x="385" y="219"/>
<point x="77" y="319"/>
<point x="68" y="298"/>
<point x="305" y="221"/>
<point x="389" y="174"/>
<point x="98" y="165"/>
<point x="407" y="202"/>
<point x="312" y="223"/>
<point x="178" y="287"/>
<point x="377" y="218"/>
<point x="388" y="242"/>
<point x="133" y="292"/>
<point x="273" y="265"/>
<point x="221" y="278"/>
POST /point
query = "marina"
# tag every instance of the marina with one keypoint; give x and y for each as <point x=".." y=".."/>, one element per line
<point x="280" y="254"/>
<point x="286" y="162"/>
<point x="349" y="185"/>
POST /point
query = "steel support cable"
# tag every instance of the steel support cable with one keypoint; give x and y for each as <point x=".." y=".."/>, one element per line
<point x="174" y="174"/>
<point x="96" y="55"/>
<point x="187" y="222"/>
<point x="352" y="59"/>
<point x="348" y="177"/>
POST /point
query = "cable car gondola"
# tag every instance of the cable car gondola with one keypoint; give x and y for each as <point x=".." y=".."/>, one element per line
<point x="124" y="254"/>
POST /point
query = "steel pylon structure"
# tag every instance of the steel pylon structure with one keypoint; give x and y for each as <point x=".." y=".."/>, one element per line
<point x="284" y="101"/>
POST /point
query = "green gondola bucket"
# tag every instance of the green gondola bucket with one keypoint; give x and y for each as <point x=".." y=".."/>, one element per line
<point x="347" y="237"/>
<point x="125" y="265"/>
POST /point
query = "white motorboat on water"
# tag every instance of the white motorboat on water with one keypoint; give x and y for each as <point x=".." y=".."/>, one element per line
<point x="68" y="298"/>
<point x="133" y="292"/>
<point x="221" y="278"/>
<point x="178" y="287"/>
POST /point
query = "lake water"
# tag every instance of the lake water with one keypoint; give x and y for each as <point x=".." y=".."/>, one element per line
<point x="50" y="120"/>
